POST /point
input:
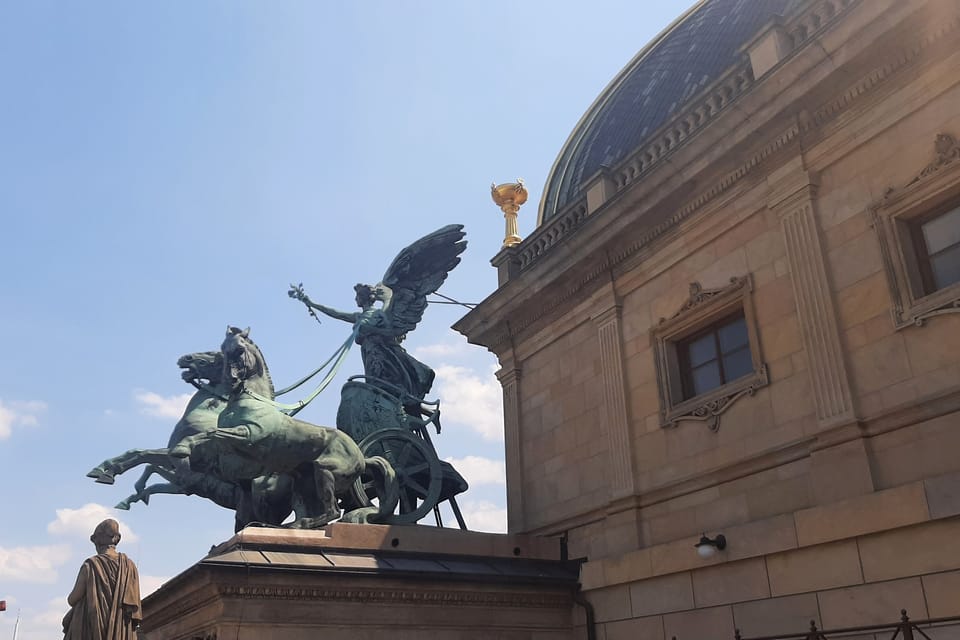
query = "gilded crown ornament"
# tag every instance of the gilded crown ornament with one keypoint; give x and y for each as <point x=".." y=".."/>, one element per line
<point x="509" y="196"/>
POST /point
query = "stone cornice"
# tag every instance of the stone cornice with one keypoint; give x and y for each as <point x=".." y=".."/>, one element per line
<point x="698" y="113"/>
<point x="418" y="596"/>
<point x="564" y="289"/>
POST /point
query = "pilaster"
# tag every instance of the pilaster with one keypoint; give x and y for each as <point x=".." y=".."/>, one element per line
<point x="620" y="467"/>
<point x="509" y="376"/>
<point x="840" y="466"/>
<point x="816" y="311"/>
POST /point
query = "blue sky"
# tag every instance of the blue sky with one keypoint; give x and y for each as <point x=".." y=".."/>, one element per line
<point x="169" y="168"/>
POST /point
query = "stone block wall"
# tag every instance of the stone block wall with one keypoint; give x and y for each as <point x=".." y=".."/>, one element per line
<point x="833" y="477"/>
<point x="853" y="563"/>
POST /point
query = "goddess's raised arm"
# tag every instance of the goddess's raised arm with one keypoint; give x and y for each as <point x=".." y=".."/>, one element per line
<point x="297" y="292"/>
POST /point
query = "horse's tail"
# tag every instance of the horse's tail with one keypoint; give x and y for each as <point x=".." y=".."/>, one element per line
<point x="388" y="490"/>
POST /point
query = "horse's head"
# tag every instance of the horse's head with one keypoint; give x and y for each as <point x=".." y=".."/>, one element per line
<point x="242" y="360"/>
<point x="205" y="365"/>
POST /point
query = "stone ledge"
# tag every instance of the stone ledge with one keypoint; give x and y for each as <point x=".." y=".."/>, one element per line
<point x="407" y="539"/>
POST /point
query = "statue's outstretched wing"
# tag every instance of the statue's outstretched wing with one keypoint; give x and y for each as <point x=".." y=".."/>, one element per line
<point x="418" y="271"/>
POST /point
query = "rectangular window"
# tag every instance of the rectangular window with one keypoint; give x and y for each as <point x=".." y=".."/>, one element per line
<point x="937" y="241"/>
<point x="918" y="226"/>
<point x="715" y="356"/>
<point x="708" y="354"/>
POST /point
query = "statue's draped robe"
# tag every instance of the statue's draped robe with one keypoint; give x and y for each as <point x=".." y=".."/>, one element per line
<point x="384" y="358"/>
<point x="108" y="588"/>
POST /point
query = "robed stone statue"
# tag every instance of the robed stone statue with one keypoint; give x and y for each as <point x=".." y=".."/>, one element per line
<point x="105" y="602"/>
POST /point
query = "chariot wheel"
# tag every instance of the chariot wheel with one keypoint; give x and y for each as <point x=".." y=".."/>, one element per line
<point x="419" y="474"/>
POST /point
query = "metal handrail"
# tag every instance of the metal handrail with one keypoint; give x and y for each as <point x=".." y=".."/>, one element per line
<point x="904" y="628"/>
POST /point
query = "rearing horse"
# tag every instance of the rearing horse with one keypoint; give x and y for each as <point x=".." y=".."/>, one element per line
<point x="260" y="500"/>
<point x="201" y="415"/>
<point x="253" y="439"/>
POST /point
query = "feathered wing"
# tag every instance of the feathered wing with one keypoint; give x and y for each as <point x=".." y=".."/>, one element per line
<point x="418" y="271"/>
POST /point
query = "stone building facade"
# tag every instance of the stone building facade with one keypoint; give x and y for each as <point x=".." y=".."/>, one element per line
<point x="738" y="315"/>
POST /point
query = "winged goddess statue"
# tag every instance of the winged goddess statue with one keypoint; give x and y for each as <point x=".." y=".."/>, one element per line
<point x="417" y="271"/>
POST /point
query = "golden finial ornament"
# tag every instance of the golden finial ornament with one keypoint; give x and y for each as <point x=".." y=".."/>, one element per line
<point x="509" y="196"/>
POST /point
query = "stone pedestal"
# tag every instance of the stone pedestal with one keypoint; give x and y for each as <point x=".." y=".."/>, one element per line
<point x="367" y="581"/>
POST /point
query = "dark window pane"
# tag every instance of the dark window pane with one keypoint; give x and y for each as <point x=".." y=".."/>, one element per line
<point x="701" y="350"/>
<point x="737" y="364"/>
<point x="942" y="232"/>
<point x="946" y="267"/>
<point x="706" y="377"/>
<point x="733" y="335"/>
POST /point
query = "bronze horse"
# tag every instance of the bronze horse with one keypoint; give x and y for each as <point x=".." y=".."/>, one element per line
<point x="263" y="499"/>
<point x="255" y="439"/>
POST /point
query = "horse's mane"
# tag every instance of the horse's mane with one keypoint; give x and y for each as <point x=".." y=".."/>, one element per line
<point x="263" y="362"/>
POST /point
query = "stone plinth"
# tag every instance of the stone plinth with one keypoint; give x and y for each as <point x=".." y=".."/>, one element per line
<point x="367" y="581"/>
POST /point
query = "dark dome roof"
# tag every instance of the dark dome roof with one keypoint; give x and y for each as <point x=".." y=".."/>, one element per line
<point x="675" y="67"/>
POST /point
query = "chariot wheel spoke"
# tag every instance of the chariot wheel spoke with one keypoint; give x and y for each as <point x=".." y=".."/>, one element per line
<point x="416" y="486"/>
<point x="410" y="455"/>
<point x="417" y="468"/>
<point x="404" y="454"/>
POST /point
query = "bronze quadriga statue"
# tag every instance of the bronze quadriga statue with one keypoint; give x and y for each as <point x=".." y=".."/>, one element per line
<point x="236" y="445"/>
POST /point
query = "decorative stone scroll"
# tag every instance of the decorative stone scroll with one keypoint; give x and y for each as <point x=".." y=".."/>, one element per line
<point x="947" y="151"/>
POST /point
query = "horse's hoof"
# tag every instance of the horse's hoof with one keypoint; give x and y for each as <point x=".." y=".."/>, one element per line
<point x="100" y="475"/>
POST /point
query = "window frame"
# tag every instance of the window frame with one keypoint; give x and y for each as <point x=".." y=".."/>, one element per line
<point x="897" y="220"/>
<point x="703" y="310"/>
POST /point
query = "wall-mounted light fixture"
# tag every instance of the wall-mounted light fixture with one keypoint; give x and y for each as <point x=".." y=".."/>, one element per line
<point x="707" y="547"/>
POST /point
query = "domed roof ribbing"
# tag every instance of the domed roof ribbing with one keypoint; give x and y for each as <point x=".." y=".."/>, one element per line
<point x="674" y="68"/>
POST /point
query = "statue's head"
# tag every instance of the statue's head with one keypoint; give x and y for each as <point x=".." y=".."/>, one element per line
<point x="366" y="295"/>
<point x="205" y="365"/>
<point x="106" y="534"/>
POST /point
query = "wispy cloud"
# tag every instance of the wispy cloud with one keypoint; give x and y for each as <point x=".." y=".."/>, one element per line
<point x="19" y="414"/>
<point x="440" y="350"/>
<point x="484" y="516"/>
<point x="52" y="616"/>
<point x="471" y="399"/>
<point x="154" y="404"/>
<point x="33" y="564"/>
<point x="479" y="471"/>
<point x="149" y="584"/>
<point x="81" y="522"/>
